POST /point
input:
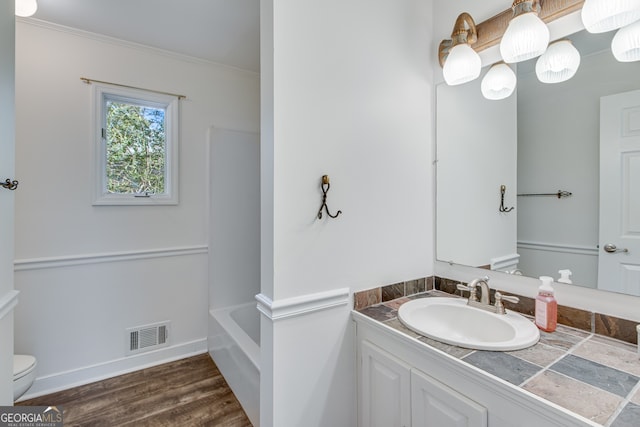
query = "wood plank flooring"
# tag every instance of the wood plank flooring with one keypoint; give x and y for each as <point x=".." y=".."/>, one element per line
<point x="188" y="392"/>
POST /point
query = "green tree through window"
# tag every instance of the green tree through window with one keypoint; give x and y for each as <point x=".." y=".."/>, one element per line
<point x="137" y="136"/>
<point x="136" y="148"/>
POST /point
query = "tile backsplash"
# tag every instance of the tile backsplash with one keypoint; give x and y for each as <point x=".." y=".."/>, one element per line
<point x="386" y="293"/>
<point x="601" y="324"/>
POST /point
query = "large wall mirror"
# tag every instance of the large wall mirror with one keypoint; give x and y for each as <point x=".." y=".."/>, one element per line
<point x="581" y="136"/>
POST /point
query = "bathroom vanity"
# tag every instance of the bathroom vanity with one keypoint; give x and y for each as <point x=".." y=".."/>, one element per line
<point x="405" y="379"/>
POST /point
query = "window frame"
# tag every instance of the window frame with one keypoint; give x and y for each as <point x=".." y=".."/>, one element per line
<point x="101" y="92"/>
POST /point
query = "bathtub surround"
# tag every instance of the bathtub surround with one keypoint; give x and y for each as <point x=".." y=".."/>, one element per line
<point x="234" y="261"/>
<point x="234" y="217"/>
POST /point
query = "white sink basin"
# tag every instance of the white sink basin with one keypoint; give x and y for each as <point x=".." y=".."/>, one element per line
<point x="452" y="321"/>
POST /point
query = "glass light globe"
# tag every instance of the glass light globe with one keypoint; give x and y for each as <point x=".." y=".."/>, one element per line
<point x="526" y="37"/>
<point x="462" y="65"/>
<point x="600" y="16"/>
<point x="499" y="82"/>
<point x="626" y="43"/>
<point x="25" y="8"/>
<point x="559" y="63"/>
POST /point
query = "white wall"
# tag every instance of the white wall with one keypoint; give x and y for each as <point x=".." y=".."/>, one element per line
<point x="88" y="272"/>
<point x="556" y="151"/>
<point x="352" y="100"/>
<point x="346" y="91"/>
<point x="7" y="136"/>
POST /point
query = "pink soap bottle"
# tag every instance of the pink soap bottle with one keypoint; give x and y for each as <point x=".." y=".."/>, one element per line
<point x="546" y="306"/>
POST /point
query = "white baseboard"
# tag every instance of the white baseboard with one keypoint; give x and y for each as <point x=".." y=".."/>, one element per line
<point x="65" y="380"/>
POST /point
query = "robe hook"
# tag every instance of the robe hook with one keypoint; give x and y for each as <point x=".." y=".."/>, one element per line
<point x="503" y="189"/>
<point x="325" y="189"/>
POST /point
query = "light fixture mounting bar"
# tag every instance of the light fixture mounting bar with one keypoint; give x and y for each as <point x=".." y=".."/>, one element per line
<point x="491" y="31"/>
<point x="460" y="35"/>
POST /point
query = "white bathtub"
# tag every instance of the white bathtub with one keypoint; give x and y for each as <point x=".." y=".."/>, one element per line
<point x="234" y="345"/>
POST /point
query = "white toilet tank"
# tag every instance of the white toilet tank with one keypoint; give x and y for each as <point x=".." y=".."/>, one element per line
<point x="24" y="373"/>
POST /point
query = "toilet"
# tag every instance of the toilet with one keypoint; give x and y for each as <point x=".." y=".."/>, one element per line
<point x="24" y="372"/>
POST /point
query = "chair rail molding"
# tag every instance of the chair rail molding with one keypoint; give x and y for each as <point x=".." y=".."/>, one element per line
<point x="301" y="305"/>
<point x="67" y="261"/>
<point x="558" y="247"/>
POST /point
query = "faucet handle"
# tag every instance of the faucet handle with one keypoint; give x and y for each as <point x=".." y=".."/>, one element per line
<point x="509" y="298"/>
<point x="499" y="298"/>
<point x="462" y="287"/>
<point x="470" y="289"/>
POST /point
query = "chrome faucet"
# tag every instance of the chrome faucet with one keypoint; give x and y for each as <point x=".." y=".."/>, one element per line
<point x="484" y="288"/>
<point x="484" y="302"/>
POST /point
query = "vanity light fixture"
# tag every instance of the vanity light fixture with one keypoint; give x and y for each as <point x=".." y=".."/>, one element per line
<point x="600" y="16"/>
<point x="460" y="63"/>
<point x="559" y="63"/>
<point x="499" y="82"/>
<point x="25" y="8"/>
<point x="626" y="43"/>
<point x="526" y="36"/>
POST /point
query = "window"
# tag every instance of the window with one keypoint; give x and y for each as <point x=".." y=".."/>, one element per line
<point x="137" y="146"/>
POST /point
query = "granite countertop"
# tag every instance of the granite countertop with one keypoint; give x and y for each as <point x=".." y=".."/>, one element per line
<point x="594" y="376"/>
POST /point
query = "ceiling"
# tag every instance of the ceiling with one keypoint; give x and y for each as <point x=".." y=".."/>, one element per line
<point x="223" y="31"/>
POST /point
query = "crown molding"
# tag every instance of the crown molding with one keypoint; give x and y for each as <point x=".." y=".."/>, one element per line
<point x="129" y="44"/>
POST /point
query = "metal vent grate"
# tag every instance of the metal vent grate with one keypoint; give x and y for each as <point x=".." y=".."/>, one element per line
<point x="148" y="337"/>
<point x="162" y="334"/>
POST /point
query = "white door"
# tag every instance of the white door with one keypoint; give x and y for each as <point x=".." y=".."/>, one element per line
<point x="619" y="258"/>
<point x="384" y="389"/>
<point x="434" y="404"/>
<point x="7" y="135"/>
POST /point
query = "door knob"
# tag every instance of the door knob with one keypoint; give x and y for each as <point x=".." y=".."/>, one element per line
<point x="9" y="185"/>
<point x="611" y="248"/>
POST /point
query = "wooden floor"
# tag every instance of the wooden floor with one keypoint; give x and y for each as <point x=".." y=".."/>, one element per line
<point x="185" y="393"/>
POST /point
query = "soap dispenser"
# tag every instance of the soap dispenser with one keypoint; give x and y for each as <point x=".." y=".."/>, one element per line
<point x="546" y="306"/>
<point x="565" y="276"/>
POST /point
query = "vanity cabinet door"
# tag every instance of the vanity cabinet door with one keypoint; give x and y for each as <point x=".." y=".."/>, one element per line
<point x="384" y="389"/>
<point x="433" y="404"/>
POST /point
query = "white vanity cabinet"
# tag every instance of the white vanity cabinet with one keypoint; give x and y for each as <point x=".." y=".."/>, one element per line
<point x="393" y="394"/>
<point x="403" y="382"/>
<point x="385" y="389"/>
<point x="433" y="404"/>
